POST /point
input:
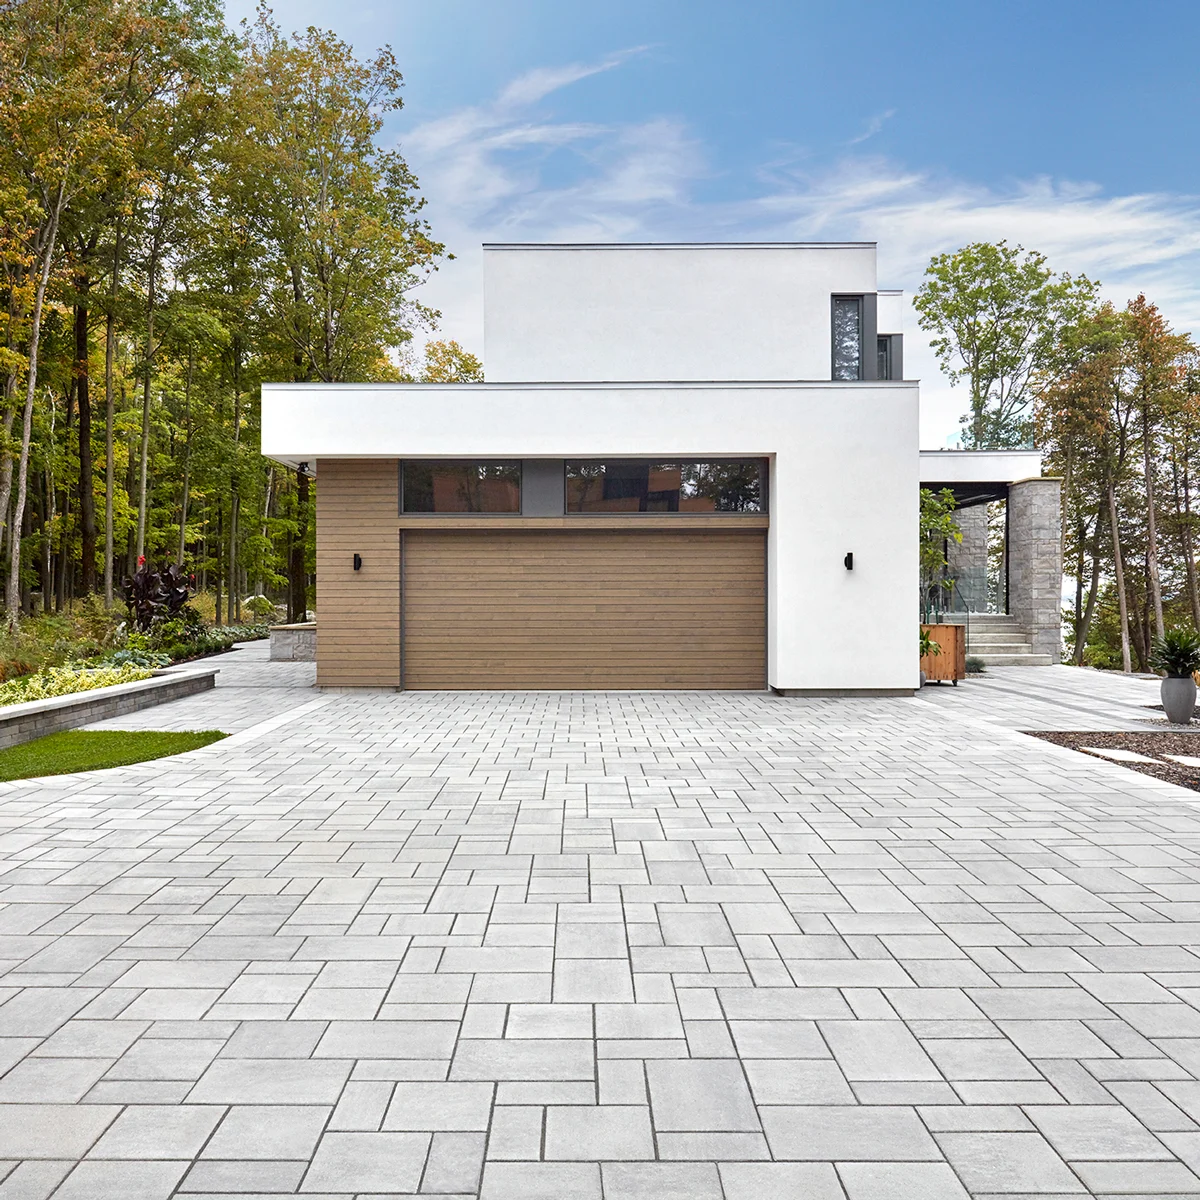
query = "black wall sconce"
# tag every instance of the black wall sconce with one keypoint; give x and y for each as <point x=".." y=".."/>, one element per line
<point x="358" y="562"/>
<point x="848" y="561"/>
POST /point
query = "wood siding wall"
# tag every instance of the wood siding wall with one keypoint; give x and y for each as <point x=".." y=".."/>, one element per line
<point x="532" y="602"/>
<point x="600" y="608"/>
<point x="358" y="612"/>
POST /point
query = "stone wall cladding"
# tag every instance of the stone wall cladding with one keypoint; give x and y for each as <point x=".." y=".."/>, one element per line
<point x="294" y="643"/>
<point x="24" y="722"/>
<point x="1035" y="562"/>
<point x="968" y="561"/>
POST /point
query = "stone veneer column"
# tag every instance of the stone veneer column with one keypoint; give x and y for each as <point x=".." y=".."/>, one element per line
<point x="968" y="561"/>
<point x="1035" y="561"/>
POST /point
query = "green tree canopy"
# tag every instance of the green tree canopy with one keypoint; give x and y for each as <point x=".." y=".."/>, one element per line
<point x="995" y="313"/>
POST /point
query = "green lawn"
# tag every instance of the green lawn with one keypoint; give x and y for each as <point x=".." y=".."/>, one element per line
<point x="88" y="750"/>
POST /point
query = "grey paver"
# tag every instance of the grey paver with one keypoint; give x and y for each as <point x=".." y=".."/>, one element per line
<point x="154" y="1131"/>
<point x="725" y="945"/>
<point x="900" y="1181"/>
<point x="833" y="1133"/>
<point x="368" y="1162"/>
<point x="1008" y="1162"/>
<point x="700" y="1096"/>
<point x="267" y="1131"/>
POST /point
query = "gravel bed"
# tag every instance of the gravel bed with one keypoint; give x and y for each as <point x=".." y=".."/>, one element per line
<point x="1153" y="745"/>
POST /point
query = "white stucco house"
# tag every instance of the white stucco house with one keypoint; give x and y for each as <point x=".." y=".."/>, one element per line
<point x="691" y="466"/>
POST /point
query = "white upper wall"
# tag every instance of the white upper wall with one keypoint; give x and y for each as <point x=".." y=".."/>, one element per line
<point x="891" y="311"/>
<point x="690" y="312"/>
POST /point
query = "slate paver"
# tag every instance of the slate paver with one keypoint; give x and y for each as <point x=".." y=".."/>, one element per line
<point x="609" y="946"/>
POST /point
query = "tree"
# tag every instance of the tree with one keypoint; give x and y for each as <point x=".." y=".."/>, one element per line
<point x="996" y="313"/>
<point x="1155" y="371"/>
<point x="341" y="239"/>
<point x="61" y="63"/>
<point x="937" y="527"/>
<point x="448" y="362"/>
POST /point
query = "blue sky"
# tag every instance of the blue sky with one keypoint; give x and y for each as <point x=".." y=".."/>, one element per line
<point x="1065" y="126"/>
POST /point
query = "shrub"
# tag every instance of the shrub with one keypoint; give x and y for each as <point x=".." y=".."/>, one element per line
<point x="261" y="608"/>
<point x="51" y="640"/>
<point x="1177" y="653"/>
<point x="976" y="666"/>
<point x="182" y="640"/>
<point x="62" y="681"/>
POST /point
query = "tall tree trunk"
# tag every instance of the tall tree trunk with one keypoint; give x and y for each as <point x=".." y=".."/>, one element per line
<point x="1119" y="571"/>
<point x="13" y="595"/>
<point x="187" y="455"/>
<point x="1152" y="534"/>
<point x="235" y="598"/>
<point x="145" y="452"/>
<point x="259" y="586"/>
<point x="217" y="560"/>
<point x="47" y="549"/>
<point x="1093" y="591"/>
<point x="10" y="397"/>
<point x="64" y="524"/>
<point x="1189" y="547"/>
<point x="110" y="470"/>
<point x="87" y="487"/>
<point x="1080" y="539"/>
<point x="297" y="576"/>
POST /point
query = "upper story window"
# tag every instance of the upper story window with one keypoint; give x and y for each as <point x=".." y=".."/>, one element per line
<point x="440" y="486"/>
<point x="883" y="369"/>
<point x="646" y="486"/>
<point x="847" y="337"/>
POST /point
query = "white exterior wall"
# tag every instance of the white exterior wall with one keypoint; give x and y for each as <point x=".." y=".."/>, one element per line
<point x="630" y="313"/>
<point x="891" y="312"/>
<point x="844" y="478"/>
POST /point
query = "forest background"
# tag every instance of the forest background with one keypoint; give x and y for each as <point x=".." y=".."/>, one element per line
<point x="188" y="210"/>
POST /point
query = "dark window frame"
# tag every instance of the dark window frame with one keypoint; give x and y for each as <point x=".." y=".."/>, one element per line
<point x="883" y="355"/>
<point x="868" y="324"/>
<point x="834" y="301"/>
<point x="764" y="476"/>
<point x="464" y="462"/>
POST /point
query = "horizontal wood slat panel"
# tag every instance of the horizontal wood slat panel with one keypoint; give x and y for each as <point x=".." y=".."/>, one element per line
<point x="603" y="608"/>
<point x="358" y="612"/>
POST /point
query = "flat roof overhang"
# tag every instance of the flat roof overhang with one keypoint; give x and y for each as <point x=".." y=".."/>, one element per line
<point x="303" y="422"/>
<point x="978" y="476"/>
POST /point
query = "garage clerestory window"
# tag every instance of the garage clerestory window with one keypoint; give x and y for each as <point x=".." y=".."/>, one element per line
<point x="439" y="486"/>
<point x="652" y="486"/>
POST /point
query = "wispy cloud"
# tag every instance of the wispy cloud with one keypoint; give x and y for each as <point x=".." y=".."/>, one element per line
<point x="508" y="170"/>
<point x="874" y="125"/>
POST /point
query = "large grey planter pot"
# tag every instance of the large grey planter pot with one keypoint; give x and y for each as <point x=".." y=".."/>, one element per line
<point x="1179" y="698"/>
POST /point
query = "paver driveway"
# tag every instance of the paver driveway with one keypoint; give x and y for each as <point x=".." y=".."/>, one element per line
<point x="547" y="945"/>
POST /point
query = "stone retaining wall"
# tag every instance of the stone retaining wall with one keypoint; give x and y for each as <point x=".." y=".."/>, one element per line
<point x="35" y="718"/>
<point x="294" y="643"/>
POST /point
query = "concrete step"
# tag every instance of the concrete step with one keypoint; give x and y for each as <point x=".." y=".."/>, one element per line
<point x="1016" y="660"/>
<point x="997" y="637"/>
<point x="1018" y="649"/>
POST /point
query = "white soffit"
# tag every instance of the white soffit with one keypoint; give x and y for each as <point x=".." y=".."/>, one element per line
<point x="979" y="466"/>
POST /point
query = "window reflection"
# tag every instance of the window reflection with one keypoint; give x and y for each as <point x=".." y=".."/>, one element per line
<point x="847" y="337"/>
<point x="462" y="487"/>
<point x="647" y="486"/>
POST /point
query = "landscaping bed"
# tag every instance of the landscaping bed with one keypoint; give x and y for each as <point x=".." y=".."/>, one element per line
<point x="1153" y="744"/>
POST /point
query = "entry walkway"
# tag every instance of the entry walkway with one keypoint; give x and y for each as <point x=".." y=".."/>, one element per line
<point x="538" y="946"/>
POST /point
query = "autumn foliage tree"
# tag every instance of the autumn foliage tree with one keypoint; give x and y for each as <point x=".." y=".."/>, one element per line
<point x="185" y="211"/>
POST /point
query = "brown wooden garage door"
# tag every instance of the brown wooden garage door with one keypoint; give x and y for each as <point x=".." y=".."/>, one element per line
<point x="584" y="609"/>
